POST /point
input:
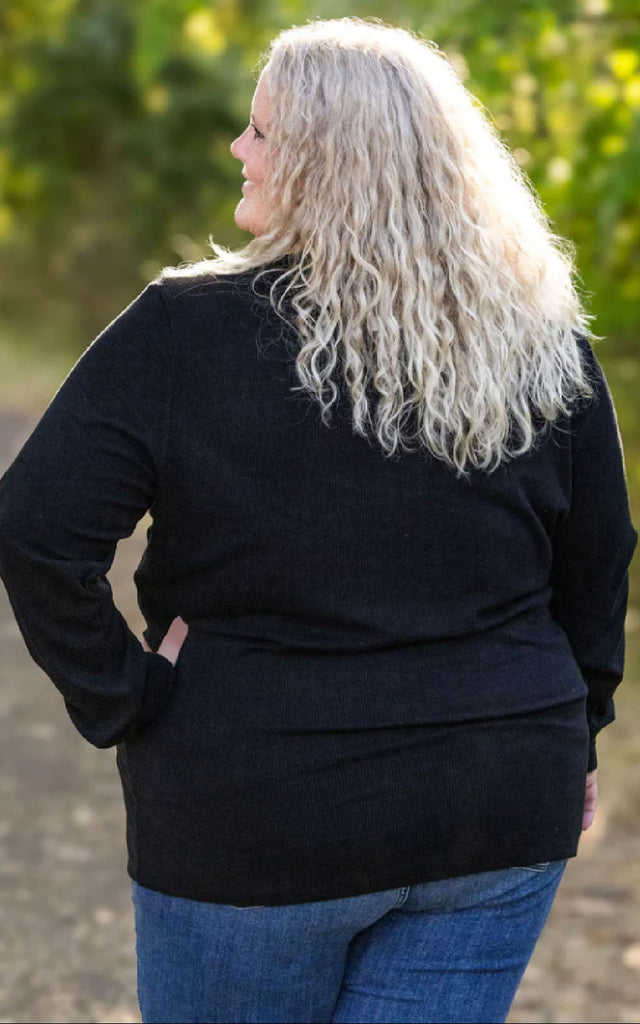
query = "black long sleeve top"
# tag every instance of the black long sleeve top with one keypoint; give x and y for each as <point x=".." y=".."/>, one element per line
<point x="328" y="588"/>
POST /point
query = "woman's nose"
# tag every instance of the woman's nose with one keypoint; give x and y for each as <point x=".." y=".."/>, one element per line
<point x="235" y="147"/>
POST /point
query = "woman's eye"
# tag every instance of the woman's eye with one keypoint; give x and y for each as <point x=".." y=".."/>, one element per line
<point x="258" y="135"/>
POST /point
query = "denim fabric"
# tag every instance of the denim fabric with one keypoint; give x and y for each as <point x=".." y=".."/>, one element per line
<point x="448" y="951"/>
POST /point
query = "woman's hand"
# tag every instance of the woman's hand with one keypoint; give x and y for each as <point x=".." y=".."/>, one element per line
<point x="590" y="799"/>
<point x="173" y="640"/>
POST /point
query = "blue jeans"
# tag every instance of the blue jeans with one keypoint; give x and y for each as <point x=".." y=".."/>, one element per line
<point x="448" y="951"/>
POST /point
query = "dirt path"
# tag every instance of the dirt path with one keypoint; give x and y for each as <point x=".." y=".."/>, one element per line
<point x="66" y="928"/>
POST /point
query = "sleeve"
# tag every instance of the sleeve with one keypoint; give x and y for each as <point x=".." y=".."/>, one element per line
<point x="80" y="483"/>
<point x="592" y="550"/>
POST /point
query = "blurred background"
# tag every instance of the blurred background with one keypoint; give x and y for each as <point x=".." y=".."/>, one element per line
<point x="115" y="125"/>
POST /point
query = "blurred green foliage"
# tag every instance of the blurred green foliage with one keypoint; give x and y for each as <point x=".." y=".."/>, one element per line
<point x="116" y="118"/>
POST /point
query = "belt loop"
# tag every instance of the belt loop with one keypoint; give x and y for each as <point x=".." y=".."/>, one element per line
<point x="403" y="894"/>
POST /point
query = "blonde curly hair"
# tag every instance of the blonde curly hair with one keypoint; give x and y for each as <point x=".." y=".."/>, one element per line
<point x="424" y="269"/>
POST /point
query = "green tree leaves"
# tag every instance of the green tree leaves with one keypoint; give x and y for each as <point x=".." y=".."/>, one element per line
<point x="115" y="123"/>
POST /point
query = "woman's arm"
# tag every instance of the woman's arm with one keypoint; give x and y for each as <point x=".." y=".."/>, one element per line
<point x="81" y="482"/>
<point x="592" y="550"/>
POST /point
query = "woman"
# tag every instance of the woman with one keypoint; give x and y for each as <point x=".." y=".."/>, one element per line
<point x="385" y="583"/>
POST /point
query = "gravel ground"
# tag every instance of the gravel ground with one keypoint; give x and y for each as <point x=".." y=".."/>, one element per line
<point x="66" y="928"/>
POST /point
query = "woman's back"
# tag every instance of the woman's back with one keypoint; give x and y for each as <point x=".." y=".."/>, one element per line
<point x="304" y="541"/>
<point x="356" y="620"/>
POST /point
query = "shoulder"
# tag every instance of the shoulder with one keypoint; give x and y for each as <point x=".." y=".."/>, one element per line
<point x="208" y="279"/>
<point x="590" y="363"/>
<point x="203" y="307"/>
<point x="201" y="301"/>
<point x="594" y="376"/>
<point x="593" y="414"/>
<point x="198" y="281"/>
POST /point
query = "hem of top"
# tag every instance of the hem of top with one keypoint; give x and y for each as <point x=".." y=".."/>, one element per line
<point x="265" y="900"/>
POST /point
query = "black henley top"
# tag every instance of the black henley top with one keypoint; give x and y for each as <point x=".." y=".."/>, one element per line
<point x="365" y="630"/>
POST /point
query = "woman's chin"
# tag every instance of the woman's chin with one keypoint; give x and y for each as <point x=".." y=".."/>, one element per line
<point x="243" y="218"/>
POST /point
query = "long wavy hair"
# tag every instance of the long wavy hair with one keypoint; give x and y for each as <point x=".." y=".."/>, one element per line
<point x="422" y="267"/>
